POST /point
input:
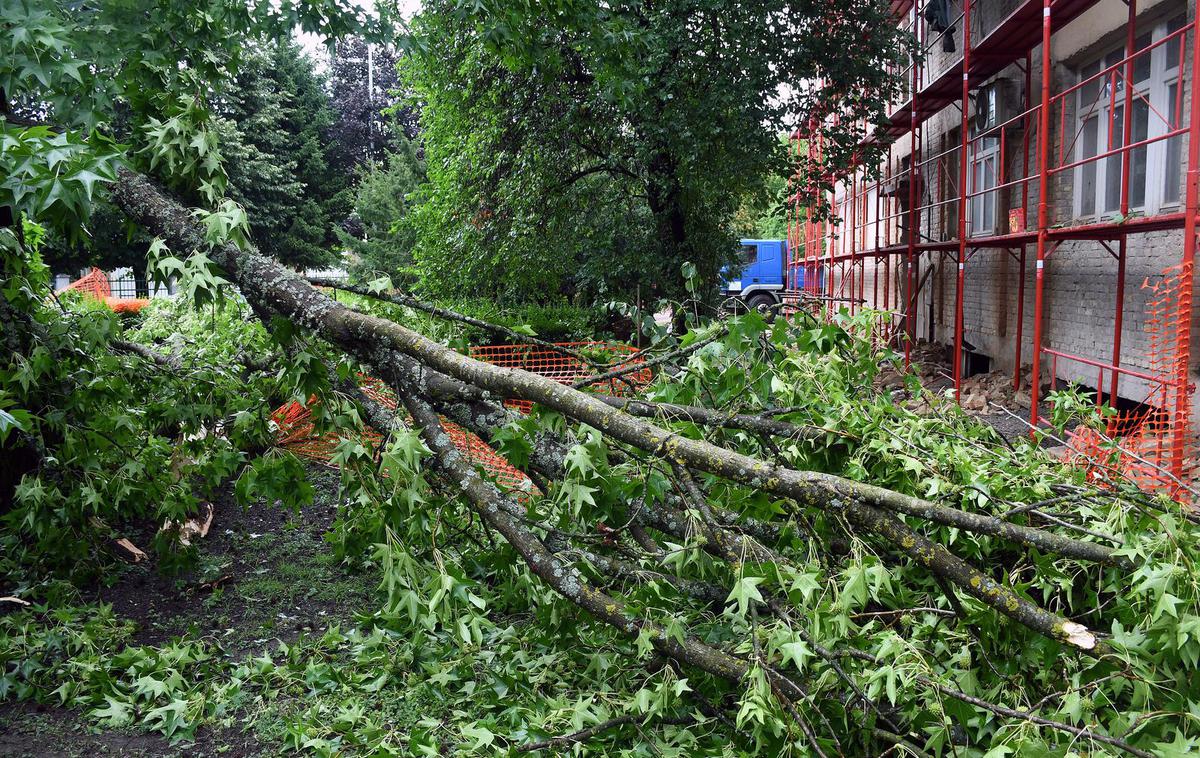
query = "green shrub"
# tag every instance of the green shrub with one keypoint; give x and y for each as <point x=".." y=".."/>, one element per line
<point x="556" y="323"/>
<point x="561" y="322"/>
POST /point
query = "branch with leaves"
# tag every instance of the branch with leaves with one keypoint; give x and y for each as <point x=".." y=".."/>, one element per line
<point x="653" y="436"/>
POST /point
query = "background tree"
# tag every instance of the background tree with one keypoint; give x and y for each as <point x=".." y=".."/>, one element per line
<point x="675" y="105"/>
<point x="762" y="212"/>
<point x="363" y="85"/>
<point x="276" y="128"/>
<point x="378" y="234"/>
<point x="144" y="73"/>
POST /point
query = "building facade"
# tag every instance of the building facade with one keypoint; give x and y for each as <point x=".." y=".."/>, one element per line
<point x="1033" y="210"/>
<point x="1111" y="234"/>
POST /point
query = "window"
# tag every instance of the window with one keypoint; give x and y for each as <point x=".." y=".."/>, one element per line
<point x="984" y="157"/>
<point x="1173" y="52"/>
<point x="949" y="193"/>
<point x="1154" y="169"/>
<point x="749" y="254"/>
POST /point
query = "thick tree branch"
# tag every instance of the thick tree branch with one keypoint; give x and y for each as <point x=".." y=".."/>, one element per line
<point x="170" y="362"/>
<point x="397" y="297"/>
<point x="374" y="340"/>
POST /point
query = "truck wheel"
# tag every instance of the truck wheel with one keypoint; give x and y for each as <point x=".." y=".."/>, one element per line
<point x="761" y="302"/>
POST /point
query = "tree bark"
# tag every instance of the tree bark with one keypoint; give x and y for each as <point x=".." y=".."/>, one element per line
<point x="408" y="357"/>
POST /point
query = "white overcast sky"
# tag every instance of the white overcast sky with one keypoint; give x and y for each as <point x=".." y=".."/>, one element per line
<point x="313" y="45"/>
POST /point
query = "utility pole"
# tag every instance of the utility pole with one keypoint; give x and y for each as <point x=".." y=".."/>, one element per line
<point x="371" y="99"/>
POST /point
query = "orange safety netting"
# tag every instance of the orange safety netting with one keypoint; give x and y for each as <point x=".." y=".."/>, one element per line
<point x="95" y="284"/>
<point x="297" y="434"/>
<point x="1153" y="445"/>
<point x="567" y="369"/>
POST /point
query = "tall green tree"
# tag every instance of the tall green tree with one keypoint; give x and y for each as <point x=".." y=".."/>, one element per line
<point x="364" y="92"/>
<point x="762" y="213"/>
<point x="379" y="235"/>
<point x="561" y="139"/>
<point x="276" y="127"/>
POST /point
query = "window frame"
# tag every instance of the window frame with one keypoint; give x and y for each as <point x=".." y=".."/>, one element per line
<point x="988" y="151"/>
<point x="1156" y="87"/>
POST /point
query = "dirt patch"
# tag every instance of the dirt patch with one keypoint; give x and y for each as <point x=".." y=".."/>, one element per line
<point x="38" y="731"/>
<point x="264" y="574"/>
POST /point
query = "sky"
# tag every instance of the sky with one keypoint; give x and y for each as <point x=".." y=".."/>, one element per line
<point x="315" y="48"/>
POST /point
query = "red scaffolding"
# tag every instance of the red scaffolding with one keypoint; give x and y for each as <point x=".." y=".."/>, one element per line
<point x="883" y="218"/>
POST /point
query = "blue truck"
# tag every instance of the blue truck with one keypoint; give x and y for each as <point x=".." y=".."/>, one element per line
<point x="760" y="276"/>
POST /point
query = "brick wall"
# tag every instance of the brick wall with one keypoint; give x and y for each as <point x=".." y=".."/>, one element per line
<point x="1080" y="276"/>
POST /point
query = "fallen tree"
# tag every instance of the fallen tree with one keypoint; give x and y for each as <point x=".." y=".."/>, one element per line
<point x="763" y="547"/>
<point x="754" y="556"/>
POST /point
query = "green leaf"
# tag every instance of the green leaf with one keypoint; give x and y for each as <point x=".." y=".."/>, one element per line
<point x="115" y="714"/>
<point x="380" y="285"/>
<point x="480" y="737"/>
<point x="745" y="592"/>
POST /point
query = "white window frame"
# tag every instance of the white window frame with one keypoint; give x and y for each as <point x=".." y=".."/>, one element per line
<point x="1163" y="74"/>
<point x="981" y="157"/>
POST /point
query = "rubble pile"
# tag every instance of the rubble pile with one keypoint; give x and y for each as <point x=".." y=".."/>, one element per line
<point x="981" y="394"/>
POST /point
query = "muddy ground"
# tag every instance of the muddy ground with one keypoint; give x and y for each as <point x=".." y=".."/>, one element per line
<point x="265" y="574"/>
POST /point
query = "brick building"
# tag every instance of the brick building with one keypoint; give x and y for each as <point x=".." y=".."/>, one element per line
<point x="1113" y="213"/>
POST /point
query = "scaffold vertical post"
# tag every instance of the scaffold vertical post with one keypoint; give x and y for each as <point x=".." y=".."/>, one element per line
<point x="1179" y="421"/>
<point x="960" y="281"/>
<point x="1123" y="242"/>
<point x="1028" y="128"/>
<point x="852" y="233"/>
<point x="1043" y="215"/>
<point x="910" y="297"/>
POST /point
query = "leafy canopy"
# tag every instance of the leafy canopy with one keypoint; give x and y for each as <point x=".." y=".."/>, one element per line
<point x="74" y="74"/>
<point x="592" y="147"/>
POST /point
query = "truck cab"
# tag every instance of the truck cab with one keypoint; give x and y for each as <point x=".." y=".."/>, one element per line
<point x="757" y="279"/>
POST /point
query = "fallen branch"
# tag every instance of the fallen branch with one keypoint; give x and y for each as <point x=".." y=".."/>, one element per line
<point x="583" y="735"/>
<point x="397" y="297"/>
<point x="761" y="424"/>
<point x="657" y="360"/>
<point x="1001" y="710"/>
<point x="422" y="368"/>
<point x="376" y="340"/>
<point x="564" y="578"/>
<point x="169" y="362"/>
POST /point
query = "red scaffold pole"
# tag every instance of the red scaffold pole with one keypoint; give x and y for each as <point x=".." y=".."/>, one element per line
<point x="962" y="203"/>
<point x="1043" y="214"/>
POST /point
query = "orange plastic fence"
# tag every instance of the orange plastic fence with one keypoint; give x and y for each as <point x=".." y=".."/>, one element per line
<point x="1156" y="446"/>
<point x="297" y="431"/>
<point x="567" y="369"/>
<point x="297" y="434"/>
<point x="95" y="284"/>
